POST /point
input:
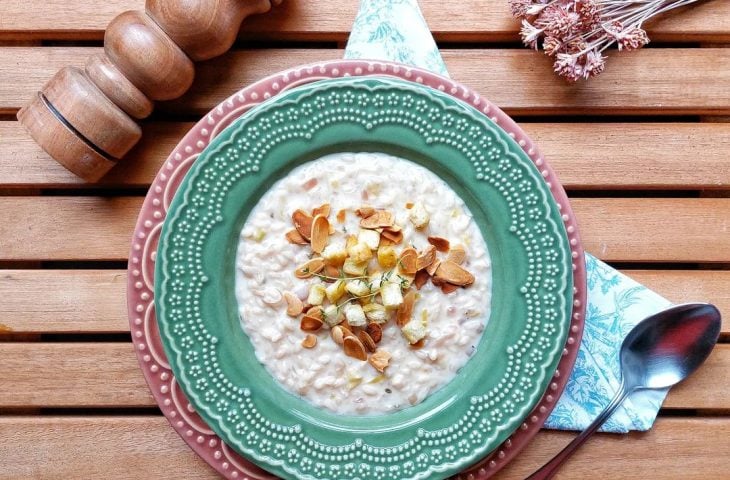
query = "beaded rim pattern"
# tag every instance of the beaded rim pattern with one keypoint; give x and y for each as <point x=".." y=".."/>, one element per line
<point x="143" y="324"/>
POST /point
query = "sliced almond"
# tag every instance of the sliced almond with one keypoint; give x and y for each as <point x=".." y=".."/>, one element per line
<point x="310" y="341"/>
<point x="457" y="254"/>
<point x="419" y="344"/>
<point x="309" y="268"/>
<point x="294" y="305"/>
<point x="431" y="269"/>
<point x="379" y="218"/>
<point x="421" y="279"/>
<point x="320" y="233"/>
<point x="447" y="288"/>
<point x="375" y="331"/>
<point x="380" y="360"/>
<point x="441" y="244"/>
<point x="354" y="348"/>
<point x="408" y="260"/>
<point x="331" y="273"/>
<point x="367" y="340"/>
<point x="405" y="311"/>
<point x="393" y="237"/>
<point x="323" y="210"/>
<point x="426" y="257"/>
<point x="409" y="205"/>
<point x="302" y="222"/>
<point x="364" y="211"/>
<point x="310" y="323"/>
<point x="293" y="236"/>
<point x="451" y="272"/>
<point x="338" y="334"/>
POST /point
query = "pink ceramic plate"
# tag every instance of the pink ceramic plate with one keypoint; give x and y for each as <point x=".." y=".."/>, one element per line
<point x="140" y="293"/>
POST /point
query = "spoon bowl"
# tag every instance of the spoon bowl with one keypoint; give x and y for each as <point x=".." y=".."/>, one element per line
<point x="660" y="351"/>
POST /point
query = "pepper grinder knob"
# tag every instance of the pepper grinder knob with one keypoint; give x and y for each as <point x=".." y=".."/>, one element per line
<point x="83" y="118"/>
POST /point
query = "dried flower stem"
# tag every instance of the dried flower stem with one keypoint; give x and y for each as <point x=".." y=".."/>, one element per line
<point x="577" y="32"/>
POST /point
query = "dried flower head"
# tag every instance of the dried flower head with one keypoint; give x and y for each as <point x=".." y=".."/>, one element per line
<point x="578" y="32"/>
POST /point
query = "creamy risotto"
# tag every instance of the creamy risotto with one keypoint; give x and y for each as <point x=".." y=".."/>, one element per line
<point x="363" y="282"/>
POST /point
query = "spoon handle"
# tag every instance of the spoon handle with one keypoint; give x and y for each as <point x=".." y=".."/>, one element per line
<point x="550" y="468"/>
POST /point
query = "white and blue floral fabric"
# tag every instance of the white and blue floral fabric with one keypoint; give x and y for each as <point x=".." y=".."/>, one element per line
<point x="395" y="30"/>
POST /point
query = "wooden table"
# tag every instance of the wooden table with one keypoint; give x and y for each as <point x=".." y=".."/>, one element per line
<point x="644" y="152"/>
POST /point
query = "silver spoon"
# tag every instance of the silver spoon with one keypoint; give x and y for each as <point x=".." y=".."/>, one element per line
<point x="662" y="350"/>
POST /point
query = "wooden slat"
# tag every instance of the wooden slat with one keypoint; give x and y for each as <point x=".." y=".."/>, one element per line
<point x="614" y="229"/>
<point x="642" y="82"/>
<point x="585" y="155"/>
<point x="107" y="375"/>
<point x="80" y="448"/>
<point x="70" y="301"/>
<point x="473" y="20"/>
<point x="76" y="448"/>
<point x="71" y="375"/>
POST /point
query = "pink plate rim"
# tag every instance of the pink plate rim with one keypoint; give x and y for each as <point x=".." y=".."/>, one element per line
<point x="140" y="284"/>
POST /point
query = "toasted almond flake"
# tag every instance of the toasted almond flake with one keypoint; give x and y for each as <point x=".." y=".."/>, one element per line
<point x="323" y="210"/>
<point x="431" y="269"/>
<point x="379" y="218"/>
<point x="380" y="360"/>
<point x="441" y="244"/>
<point x="409" y="205"/>
<point x="457" y="254"/>
<point x="366" y="340"/>
<point x="375" y="331"/>
<point x="421" y="279"/>
<point x="320" y="233"/>
<point x="408" y="260"/>
<point x="338" y="334"/>
<point x="310" y="184"/>
<point x="426" y="257"/>
<point x="341" y="215"/>
<point x="393" y="238"/>
<point x="354" y="348"/>
<point x="405" y="311"/>
<point x="310" y="323"/>
<point x="314" y="311"/>
<point x="293" y="236"/>
<point x="451" y="272"/>
<point x="310" y="341"/>
<point x="364" y="211"/>
<point x="447" y="288"/>
<point x="309" y="268"/>
<point x="294" y="305"/>
<point x="302" y="222"/>
<point x="331" y="273"/>
<point x="387" y="257"/>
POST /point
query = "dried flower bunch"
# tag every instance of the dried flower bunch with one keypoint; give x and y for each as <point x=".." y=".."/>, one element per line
<point x="577" y="32"/>
<point x="366" y="282"/>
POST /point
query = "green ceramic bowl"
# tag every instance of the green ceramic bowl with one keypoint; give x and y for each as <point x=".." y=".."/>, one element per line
<point x="213" y="359"/>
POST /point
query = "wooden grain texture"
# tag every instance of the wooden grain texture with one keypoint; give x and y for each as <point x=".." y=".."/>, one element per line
<point x="93" y="301"/>
<point x="79" y="448"/>
<point x="585" y="155"/>
<point x="614" y="229"/>
<point x="471" y="20"/>
<point x="642" y="82"/>
<point x="94" y="374"/>
<point x="107" y="375"/>
<point x="69" y="301"/>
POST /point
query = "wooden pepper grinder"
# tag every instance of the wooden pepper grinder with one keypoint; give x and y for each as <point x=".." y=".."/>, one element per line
<point x="84" y="118"/>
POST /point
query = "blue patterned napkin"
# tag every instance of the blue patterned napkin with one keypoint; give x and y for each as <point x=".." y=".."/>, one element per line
<point x="395" y="30"/>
